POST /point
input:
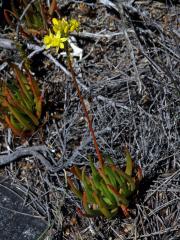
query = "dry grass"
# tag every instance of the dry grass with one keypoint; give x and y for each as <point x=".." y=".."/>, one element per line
<point x="130" y="82"/>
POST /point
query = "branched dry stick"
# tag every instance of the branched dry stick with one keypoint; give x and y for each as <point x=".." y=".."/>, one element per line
<point x="100" y="34"/>
<point x="165" y="182"/>
<point x="29" y="151"/>
<point x="130" y="47"/>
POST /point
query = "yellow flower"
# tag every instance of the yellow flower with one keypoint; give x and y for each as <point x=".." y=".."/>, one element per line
<point x="74" y="25"/>
<point x="60" y="25"/>
<point x="61" y="29"/>
<point x="48" y="40"/>
<point x="64" y="26"/>
<point x="54" y="40"/>
<point x="58" y="41"/>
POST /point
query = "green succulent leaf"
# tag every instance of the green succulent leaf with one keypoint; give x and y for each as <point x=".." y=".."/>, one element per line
<point x="21" y="103"/>
<point x="108" y="188"/>
<point x="96" y="178"/>
<point x="118" y="196"/>
<point x="104" y="177"/>
<point x="89" y="211"/>
<point x="107" y="194"/>
<point x="15" y="130"/>
<point x="102" y="205"/>
<point x="87" y="186"/>
<point x="110" y="174"/>
<point x="107" y="201"/>
<point x="109" y="160"/>
<point x="127" y="178"/>
<point x="21" y="97"/>
<point x="22" y="80"/>
<point x="15" y="123"/>
<point x="22" y="120"/>
<point x="129" y="162"/>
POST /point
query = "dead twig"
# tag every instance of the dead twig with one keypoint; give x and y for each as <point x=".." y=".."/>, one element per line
<point x="29" y="151"/>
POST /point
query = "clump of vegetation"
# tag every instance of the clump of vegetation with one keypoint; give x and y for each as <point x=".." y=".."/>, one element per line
<point x="21" y="103"/>
<point x="34" y="19"/>
<point x="106" y="189"/>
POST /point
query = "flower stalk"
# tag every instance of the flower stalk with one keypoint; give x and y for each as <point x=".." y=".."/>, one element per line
<point x="89" y="120"/>
<point x="59" y="40"/>
<point x="107" y="188"/>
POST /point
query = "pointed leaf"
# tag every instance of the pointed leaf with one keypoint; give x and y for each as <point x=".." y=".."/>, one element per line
<point x="129" y="162"/>
<point x="16" y="131"/>
<point x="72" y="186"/>
<point x="34" y="86"/>
<point x="105" y="178"/>
<point x="87" y="187"/>
<point x="117" y="195"/>
<point x="102" y="206"/>
<point x="38" y="107"/>
<point x="106" y="193"/>
<point x="76" y="171"/>
<point x="127" y="178"/>
<point x="22" y="82"/>
<point x="109" y="172"/>
<point x="25" y="123"/>
<point x="14" y="122"/>
<point x="90" y="212"/>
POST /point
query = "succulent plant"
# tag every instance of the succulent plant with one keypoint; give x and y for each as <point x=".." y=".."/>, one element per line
<point x="21" y="103"/>
<point x="107" y="189"/>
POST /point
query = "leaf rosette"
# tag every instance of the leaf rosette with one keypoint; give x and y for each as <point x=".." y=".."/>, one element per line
<point x="107" y="189"/>
<point x="21" y="103"/>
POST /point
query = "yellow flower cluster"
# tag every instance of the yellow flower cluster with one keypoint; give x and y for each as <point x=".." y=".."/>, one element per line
<point x="62" y="28"/>
<point x="65" y="27"/>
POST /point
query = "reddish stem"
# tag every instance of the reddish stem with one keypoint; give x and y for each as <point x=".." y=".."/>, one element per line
<point x="99" y="155"/>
